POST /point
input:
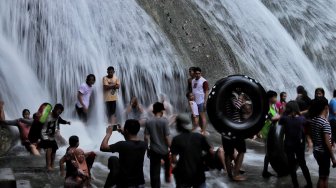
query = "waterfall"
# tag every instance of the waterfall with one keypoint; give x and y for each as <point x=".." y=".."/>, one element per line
<point x="312" y="25"/>
<point x="264" y="48"/>
<point x="54" y="44"/>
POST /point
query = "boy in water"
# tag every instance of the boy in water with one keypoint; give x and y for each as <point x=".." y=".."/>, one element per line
<point x="50" y="129"/>
<point x="194" y="110"/>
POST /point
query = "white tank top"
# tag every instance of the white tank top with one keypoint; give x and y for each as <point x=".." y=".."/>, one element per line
<point x="194" y="108"/>
<point x="197" y="89"/>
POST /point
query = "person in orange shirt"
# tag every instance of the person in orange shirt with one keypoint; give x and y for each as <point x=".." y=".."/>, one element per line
<point x="111" y="85"/>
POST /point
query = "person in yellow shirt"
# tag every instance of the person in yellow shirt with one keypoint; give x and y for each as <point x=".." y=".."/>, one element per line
<point x="111" y="86"/>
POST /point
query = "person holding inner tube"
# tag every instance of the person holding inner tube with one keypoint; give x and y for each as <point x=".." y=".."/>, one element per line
<point x="273" y="117"/>
<point x="321" y="136"/>
<point x="234" y="110"/>
<point x="200" y="89"/>
<point x="293" y="124"/>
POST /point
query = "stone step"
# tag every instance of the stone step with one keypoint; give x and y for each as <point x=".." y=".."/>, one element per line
<point x="7" y="179"/>
<point x="23" y="184"/>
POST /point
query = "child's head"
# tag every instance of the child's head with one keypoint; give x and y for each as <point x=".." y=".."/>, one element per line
<point x="272" y="96"/>
<point x="79" y="153"/>
<point x="190" y="96"/>
<point x="74" y="141"/>
<point x="132" y="127"/>
<point x="26" y="114"/>
<point x="58" y="110"/>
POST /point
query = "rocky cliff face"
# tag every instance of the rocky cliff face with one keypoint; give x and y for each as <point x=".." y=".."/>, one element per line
<point x="192" y="37"/>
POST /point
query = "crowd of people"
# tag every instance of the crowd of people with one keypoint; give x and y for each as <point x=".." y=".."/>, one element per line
<point x="187" y="155"/>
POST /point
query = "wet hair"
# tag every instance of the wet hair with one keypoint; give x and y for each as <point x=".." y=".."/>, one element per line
<point x="132" y="126"/>
<point x="334" y="94"/>
<point x="24" y="111"/>
<point x="317" y="106"/>
<point x="90" y="76"/>
<point x="292" y="107"/>
<point x="197" y="69"/>
<point x="110" y="68"/>
<point x="73" y="141"/>
<point x="270" y="94"/>
<point x="300" y="90"/>
<point x="158" y="107"/>
<point x="58" y="106"/>
<point x="188" y="94"/>
<point x="319" y="89"/>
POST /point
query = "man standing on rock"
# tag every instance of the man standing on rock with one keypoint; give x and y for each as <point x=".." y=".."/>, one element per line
<point x="111" y="85"/>
<point x="200" y="89"/>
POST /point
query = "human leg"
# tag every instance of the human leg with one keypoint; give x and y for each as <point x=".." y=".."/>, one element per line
<point x="155" y="167"/>
<point x="300" y="155"/>
<point x="292" y="165"/>
<point x="167" y="166"/>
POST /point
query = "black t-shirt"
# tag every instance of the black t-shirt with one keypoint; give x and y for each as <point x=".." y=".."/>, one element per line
<point x="131" y="158"/>
<point x="189" y="170"/>
<point x="294" y="131"/>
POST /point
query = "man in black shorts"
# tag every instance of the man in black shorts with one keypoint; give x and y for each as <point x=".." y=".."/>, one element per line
<point x="111" y="86"/>
<point x="229" y="146"/>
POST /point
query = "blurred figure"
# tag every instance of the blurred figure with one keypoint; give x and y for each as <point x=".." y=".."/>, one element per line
<point x="2" y="111"/>
<point x="293" y="124"/>
<point x="134" y="110"/>
<point x="84" y="97"/>
<point x="321" y="136"/>
<point x="157" y="135"/>
<point x="302" y="99"/>
<point x="281" y="105"/>
<point x="332" y="116"/>
<point x="23" y="124"/>
<point x="111" y="85"/>
<point x="192" y="76"/>
<point x="200" y="89"/>
<point x="272" y="118"/>
<point x="193" y="109"/>
<point x="319" y="92"/>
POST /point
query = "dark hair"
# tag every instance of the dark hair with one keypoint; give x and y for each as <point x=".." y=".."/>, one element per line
<point x="24" y="111"/>
<point x="282" y="94"/>
<point x="292" y="107"/>
<point x="317" y="106"/>
<point x="319" y="89"/>
<point x="197" y="69"/>
<point x="158" y="107"/>
<point x="59" y="107"/>
<point x="110" y="68"/>
<point x="188" y="93"/>
<point x="334" y="94"/>
<point x="192" y="68"/>
<point x="73" y="141"/>
<point x="132" y="126"/>
<point x="270" y="94"/>
<point x="300" y="90"/>
<point x="90" y="76"/>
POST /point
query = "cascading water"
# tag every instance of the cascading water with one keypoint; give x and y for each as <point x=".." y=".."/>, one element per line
<point x="63" y="41"/>
<point x="312" y="24"/>
<point x="264" y="48"/>
<point x="48" y="48"/>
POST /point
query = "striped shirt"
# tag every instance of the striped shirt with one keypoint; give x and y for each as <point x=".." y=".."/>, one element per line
<point x="320" y="126"/>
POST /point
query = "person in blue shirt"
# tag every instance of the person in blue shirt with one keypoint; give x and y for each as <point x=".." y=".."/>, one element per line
<point x="332" y="117"/>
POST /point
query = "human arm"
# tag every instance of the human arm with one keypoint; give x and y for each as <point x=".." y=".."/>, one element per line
<point x="206" y="93"/>
<point x="26" y="121"/>
<point x="9" y="122"/>
<point x="104" y="145"/>
<point x="61" y="165"/>
<point x="326" y="137"/>
<point x="191" y="109"/>
<point x="62" y="121"/>
<point x="2" y="111"/>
